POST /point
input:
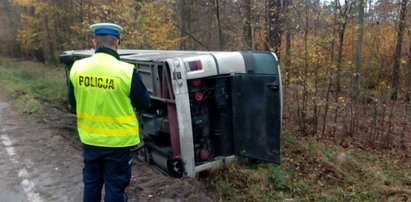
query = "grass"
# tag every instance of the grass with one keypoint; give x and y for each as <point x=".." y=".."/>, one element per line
<point x="314" y="171"/>
<point x="31" y="84"/>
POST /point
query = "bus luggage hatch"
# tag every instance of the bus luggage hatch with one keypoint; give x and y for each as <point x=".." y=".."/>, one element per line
<point x="257" y="116"/>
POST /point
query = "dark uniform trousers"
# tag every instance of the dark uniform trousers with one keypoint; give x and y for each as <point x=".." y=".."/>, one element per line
<point x="108" y="166"/>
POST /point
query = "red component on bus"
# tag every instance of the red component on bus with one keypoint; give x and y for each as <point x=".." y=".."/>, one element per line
<point x="195" y="65"/>
<point x="198" y="96"/>
<point x="196" y="82"/>
<point x="204" y="154"/>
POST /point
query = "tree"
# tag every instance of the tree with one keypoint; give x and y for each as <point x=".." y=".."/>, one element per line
<point x="185" y="19"/>
<point x="40" y="28"/>
<point x="275" y="18"/>
<point x="288" y="36"/>
<point x="8" y="16"/>
<point x="344" y="12"/>
<point x="358" y="49"/>
<point x="408" y="81"/>
<point x="220" y="32"/>
<point x="155" y="27"/>
<point x="247" y="30"/>
<point x="398" y="47"/>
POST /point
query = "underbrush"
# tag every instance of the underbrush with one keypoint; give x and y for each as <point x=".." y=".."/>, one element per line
<point x="32" y="84"/>
<point x="314" y="171"/>
<point x="373" y="123"/>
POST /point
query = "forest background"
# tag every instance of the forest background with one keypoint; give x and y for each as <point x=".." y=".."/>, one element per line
<point x="346" y="64"/>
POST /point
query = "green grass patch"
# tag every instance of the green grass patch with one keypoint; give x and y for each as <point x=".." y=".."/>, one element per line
<point x="32" y="83"/>
<point x="314" y="171"/>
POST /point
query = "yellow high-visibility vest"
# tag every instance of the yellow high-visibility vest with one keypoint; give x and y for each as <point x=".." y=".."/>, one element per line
<point x="105" y="116"/>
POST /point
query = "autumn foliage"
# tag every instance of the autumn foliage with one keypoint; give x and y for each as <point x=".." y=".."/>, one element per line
<point x="48" y="27"/>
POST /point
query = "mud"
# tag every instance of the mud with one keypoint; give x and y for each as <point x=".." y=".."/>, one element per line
<point x="50" y="151"/>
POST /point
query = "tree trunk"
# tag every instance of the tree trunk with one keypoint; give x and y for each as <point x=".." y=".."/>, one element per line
<point x="287" y="59"/>
<point x="220" y="32"/>
<point x="274" y="26"/>
<point x="49" y="41"/>
<point x="247" y="30"/>
<point x="397" y="54"/>
<point x="9" y="19"/>
<point x="329" y="75"/>
<point x="358" y="47"/>
<point x="341" y="34"/>
<point x="305" y="76"/>
<point x="344" y="16"/>
<point x="185" y="18"/>
<point x="317" y="66"/>
<point x="408" y="83"/>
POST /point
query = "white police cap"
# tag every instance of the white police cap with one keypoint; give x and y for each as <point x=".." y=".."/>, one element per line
<point x="106" y="28"/>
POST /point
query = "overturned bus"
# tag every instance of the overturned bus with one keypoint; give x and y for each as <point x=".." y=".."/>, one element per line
<point x="206" y="107"/>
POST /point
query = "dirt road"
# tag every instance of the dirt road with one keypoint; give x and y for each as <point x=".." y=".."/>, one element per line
<point x="41" y="161"/>
<point x="36" y="164"/>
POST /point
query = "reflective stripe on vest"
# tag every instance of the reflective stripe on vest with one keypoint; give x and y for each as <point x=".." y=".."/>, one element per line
<point x="106" y="119"/>
<point x="105" y="116"/>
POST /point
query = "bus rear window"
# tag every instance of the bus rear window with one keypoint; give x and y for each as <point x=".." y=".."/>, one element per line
<point x="265" y="63"/>
<point x="260" y="62"/>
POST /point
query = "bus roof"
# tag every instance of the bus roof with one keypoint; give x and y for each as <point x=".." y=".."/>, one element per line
<point x="225" y="61"/>
<point x="139" y="54"/>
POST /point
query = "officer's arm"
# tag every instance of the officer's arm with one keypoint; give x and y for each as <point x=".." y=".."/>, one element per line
<point x="71" y="97"/>
<point x="140" y="99"/>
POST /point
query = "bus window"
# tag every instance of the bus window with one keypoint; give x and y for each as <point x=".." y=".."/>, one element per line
<point x="260" y="62"/>
<point x="265" y="63"/>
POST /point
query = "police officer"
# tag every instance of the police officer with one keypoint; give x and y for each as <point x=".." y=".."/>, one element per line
<point x="104" y="91"/>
